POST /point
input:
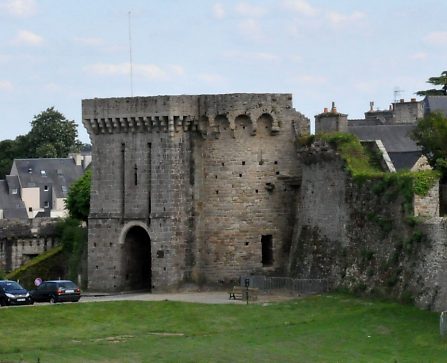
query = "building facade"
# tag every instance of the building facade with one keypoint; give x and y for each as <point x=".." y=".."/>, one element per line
<point x="190" y="188"/>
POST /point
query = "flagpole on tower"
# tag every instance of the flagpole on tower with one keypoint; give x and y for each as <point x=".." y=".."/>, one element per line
<point x="130" y="55"/>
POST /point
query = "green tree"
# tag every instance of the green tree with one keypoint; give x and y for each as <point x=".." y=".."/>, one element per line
<point x="78" y="199"/>
<point x="10" y="150"/>
<point x="73" y="237"/>
<point x="52" y="135"/>
<point x="7" y="154"/>
<point x="436" y="81"/>
<point x="431" y="135"/>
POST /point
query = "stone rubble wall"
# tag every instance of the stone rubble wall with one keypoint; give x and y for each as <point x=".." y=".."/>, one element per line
<point x="22" y="240"/>
<point x="361" y="238"/>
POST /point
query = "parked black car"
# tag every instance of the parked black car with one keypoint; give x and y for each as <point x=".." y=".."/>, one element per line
<point x="56" y="291"/>
<point x="12" y="293"/>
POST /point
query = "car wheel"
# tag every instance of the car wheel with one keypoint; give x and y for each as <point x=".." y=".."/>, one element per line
<point x="53" y="300"/>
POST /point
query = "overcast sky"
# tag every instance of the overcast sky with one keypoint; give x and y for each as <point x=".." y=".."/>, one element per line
<point x="58" y="52"/>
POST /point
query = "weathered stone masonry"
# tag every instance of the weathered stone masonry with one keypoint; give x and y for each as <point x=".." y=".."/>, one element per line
<point x="190" y="187"/>
<point x="22" y="240"/>
<point x="361" y="238"/>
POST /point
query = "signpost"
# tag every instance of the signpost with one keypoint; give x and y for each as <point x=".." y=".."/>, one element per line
<point x="247" y="284"/>
<point x="443" y="324"/>
<point x="37" y="281"/>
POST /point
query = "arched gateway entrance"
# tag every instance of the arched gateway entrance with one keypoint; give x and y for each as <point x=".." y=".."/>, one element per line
<point x="136" y="261"/>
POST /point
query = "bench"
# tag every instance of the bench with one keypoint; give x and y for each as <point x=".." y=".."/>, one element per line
<point x="239" y="293"/>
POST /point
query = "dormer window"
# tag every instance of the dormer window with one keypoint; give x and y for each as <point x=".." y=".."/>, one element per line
<point x="43" y="173"/>
<point x="45" y="188"/>
<point x="14" y="191"/>
<point x="46" y="204"/>
<point x="64" y="189"/>
<point x="30" y="170"/>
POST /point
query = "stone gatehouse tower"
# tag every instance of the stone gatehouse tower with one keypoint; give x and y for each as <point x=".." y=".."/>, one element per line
<point x="190" y="188"/>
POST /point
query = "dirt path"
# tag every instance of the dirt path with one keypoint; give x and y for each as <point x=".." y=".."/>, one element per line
<point x="208" y="297"/>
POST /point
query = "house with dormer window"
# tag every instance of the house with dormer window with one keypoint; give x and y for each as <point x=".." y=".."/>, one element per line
<point x="39" y="187"/>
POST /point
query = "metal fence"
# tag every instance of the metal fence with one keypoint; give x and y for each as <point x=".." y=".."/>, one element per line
<point x="300" y="286"/>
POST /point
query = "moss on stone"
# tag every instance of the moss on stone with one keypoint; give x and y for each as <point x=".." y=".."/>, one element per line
<point x="363" y="166"/>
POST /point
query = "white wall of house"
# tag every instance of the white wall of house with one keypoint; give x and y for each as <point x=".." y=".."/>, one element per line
<point x="59" y="210"/>
<point x="31" y="198"/>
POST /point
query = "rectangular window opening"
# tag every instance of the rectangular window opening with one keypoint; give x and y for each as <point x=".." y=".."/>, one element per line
<point x="267" y="250"/>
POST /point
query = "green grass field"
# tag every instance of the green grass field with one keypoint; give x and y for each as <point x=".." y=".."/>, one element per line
<point x="329" y="328"/>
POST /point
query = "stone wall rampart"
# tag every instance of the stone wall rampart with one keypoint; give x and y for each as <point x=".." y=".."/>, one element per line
<point x="360" y="236"/>
<point x="23" y="240"/>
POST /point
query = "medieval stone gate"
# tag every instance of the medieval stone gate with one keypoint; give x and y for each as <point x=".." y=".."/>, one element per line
<point x="190" y="188"/>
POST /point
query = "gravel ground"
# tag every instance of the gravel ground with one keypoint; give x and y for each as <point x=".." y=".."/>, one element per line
<point x="206" y="297"/>
<point x="220" y="297"/>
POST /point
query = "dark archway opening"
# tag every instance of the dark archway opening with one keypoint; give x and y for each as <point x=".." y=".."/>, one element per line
<point x="137" y="267"/>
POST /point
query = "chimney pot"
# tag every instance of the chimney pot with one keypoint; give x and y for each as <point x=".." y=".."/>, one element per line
<point x="333" y="109"/>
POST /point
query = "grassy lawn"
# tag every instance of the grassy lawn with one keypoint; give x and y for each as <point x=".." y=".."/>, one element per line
<point x="329" y="328"/>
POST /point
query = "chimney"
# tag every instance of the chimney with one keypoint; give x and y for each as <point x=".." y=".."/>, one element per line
<point x="402" y="100"/>
<point x="413" y="100"/>
<point x="325" y="110"/>
<point x="371" y="106"/>
<point x="333" y="109"/>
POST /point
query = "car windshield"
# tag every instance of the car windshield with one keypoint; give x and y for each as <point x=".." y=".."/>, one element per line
<point x="67" y="285"/>
<point x="10" y="286"/>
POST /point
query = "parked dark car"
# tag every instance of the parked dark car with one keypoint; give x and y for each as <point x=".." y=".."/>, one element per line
<point x="12" y="293"/>
<point x="56" y="291"/>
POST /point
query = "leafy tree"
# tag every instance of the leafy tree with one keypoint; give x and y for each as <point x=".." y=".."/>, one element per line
<point x="46" y="151"/>
<point x="52" y="135"/>
<point x="431" y="134"/>
<point x="73" y="237"/>
<point x="78" y="199"/>
<point x="10" y="150"/>
<point x="437" y="81"/>
<point x="7" y="154"/>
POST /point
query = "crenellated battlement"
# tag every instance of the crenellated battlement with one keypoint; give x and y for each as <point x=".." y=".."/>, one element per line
<point x="190" y="186"/>
<point x="171" y="114"/>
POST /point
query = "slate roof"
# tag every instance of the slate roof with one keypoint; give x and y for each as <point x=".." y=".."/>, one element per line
<point x="405" y="160"/>
<point x="13" y="207"/>
<point x="12" y="182"/>
<point x="402" y="150"/>
<point x="58" y="173"/>
<point x="435" y="103"/>
<point x="364" y="122"/>
<point x="395" y="138"/>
